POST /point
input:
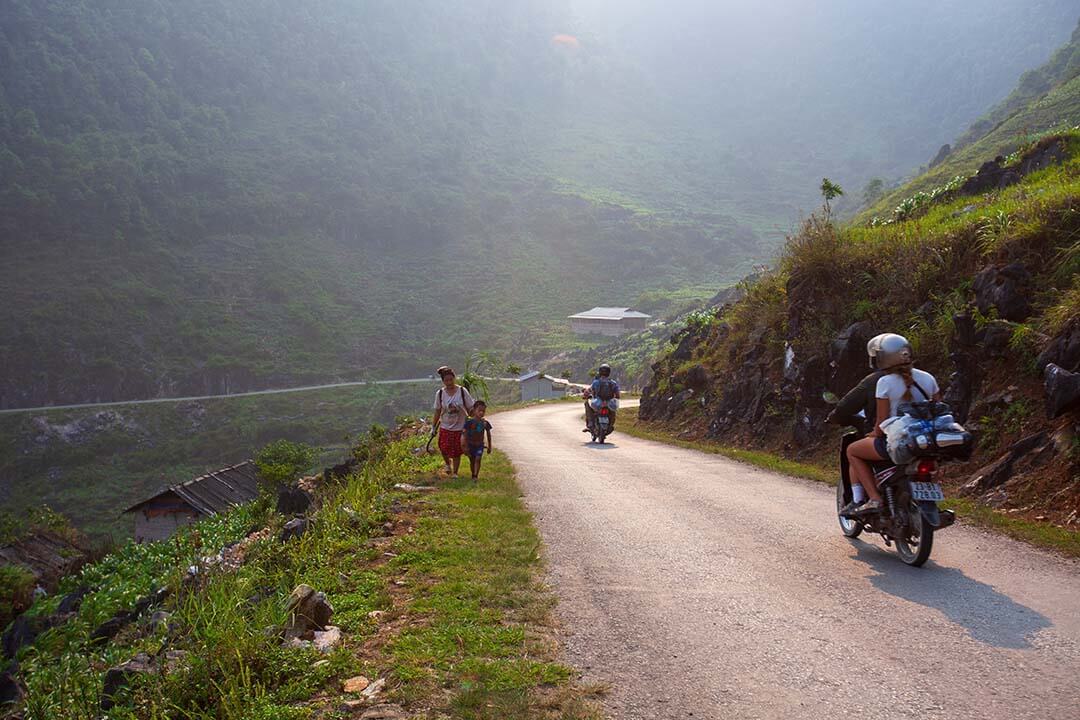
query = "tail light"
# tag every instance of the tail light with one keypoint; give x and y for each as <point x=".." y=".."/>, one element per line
<point x="925" y="469"/>
<point x="604" y="411"/>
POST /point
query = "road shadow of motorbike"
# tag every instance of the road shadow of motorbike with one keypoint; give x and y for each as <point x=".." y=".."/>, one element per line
<point x="606" y="445"/>
<point x="989" y="616"/>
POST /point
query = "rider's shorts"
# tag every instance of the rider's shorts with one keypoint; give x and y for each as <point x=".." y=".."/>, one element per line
<point x="881" y="448"/>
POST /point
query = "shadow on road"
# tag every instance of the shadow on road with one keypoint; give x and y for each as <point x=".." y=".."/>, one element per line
<point x="989" y="616"/>
<point x="597" y="446"/>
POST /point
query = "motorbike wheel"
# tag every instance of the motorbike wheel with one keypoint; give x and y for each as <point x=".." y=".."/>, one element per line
<point x="850" y="528"/>
<point x="915" y="550"/>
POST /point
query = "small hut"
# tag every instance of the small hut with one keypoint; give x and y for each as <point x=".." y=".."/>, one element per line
<point x="159" y="516"/>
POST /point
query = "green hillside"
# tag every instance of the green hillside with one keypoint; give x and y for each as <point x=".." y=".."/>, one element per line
<point x="1047" y="99"/>
<point x="211" y="197"/>
<point x="754" y="374"/>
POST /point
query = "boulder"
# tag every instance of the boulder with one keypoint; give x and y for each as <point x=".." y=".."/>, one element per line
<point x="995" y="338"/>
<point x="847" y="356"/>
<point x="1062" y="389"/>
<point x="22" y="631"/>
<point x="72" y="601"/>
<point x="293" y="500"/>
<point x="339" y="471"/>
<point x="356" y="684"/>
<point x="294" y="529"/>
<point x="1005" y="288"/>
<point x="999" y="471"/>
<point x="991" y="176"/>
<point x="326" y="640"/>
<point x="1063" y="350"/>
<point x="10" y="690"/>
<point x="119" y="677"/>
<point x="697" y="377"/>
<point x="110" y="628"/>
<point x="308" y="611"/>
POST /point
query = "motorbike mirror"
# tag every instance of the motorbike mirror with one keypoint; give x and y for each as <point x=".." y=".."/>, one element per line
<point x="829" y="398"/>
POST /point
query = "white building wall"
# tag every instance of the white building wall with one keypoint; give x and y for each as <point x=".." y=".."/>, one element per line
<point x="160" y="527"/>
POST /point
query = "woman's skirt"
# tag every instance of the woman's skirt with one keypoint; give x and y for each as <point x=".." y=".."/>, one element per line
<point x="450" y="443"/>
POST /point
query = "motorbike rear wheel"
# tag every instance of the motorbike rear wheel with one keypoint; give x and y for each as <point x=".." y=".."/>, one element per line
<point x="915" y="550"/>
<point x="850" y="528"/>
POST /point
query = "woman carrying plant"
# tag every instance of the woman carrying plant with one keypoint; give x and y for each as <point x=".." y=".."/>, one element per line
<point x="452" y="407"/>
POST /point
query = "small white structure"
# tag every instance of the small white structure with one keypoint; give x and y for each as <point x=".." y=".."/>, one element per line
<point x="537" y="386"/>
<point x="608" y="321"/>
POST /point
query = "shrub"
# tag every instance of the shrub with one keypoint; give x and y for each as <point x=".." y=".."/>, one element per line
<point x="282" y="461"/>
<point x="16" y="591"/>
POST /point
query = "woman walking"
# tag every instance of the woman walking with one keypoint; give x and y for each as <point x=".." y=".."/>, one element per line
<point x="452" y="407"/>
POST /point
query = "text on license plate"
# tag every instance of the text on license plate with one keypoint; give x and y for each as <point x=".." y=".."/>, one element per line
<point x="603" y="421"/>
<point x="926" y="491"/>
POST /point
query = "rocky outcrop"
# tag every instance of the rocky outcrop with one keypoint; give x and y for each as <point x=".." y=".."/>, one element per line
<point x="1063" y="350"/>
<point x="294" y="529"/>
<point x="1062" y="390"/>
<point x="307" y="611"/>
<point x="1033" y="451"/>
<point x="293" y="500"/>
<point x="992" y="175"/>
<point x="1006" y="289"/>
<point x="120" y="677"/>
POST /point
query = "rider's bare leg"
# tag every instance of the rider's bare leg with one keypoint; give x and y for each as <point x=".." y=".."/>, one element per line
<point x="860" y="453"/>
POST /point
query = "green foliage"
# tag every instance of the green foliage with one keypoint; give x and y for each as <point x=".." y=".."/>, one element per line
<point x="829" y="192"/>
<point x="14" y="527"/>
<point x="16" y="591"/>
<point x="282" y="461"/>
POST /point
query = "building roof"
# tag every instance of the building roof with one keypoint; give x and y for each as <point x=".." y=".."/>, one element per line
<point x="216" y="491"/>
<point x="609" y="313"/>
<point x="529" y="375"/>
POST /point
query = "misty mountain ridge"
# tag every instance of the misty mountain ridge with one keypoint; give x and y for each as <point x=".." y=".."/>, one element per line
<point x="219" y="196"/>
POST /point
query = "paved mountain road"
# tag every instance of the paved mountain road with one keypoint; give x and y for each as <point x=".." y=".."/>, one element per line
<point x="702" y="588"/>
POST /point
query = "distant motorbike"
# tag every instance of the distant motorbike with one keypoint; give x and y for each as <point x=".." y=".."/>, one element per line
<point x="603" y="418"/>
<point x="909" y="514"/>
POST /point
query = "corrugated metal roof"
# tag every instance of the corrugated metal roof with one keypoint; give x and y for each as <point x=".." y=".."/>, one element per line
<point x="214" y="492"/>
<point x="609" y="313"/>
<point x="529" y="376"/>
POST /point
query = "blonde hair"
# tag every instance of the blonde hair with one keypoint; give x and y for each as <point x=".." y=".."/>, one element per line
<point x="904" y="371"/>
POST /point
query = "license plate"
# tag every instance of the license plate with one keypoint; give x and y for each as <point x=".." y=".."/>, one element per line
<point x="603" y="420"/>
<point x="926" y="491"/>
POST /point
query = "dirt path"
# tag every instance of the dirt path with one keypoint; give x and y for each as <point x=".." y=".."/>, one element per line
<point x="702" y="588"/>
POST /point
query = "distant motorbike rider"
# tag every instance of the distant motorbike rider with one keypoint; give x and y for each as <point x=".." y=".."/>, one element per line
<point x="900" y="381"/>
<point x="603" y="388"/>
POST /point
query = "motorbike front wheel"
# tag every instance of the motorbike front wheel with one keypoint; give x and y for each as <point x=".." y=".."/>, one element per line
<point x="915" y="549"/>
<point x="850" y="528"/>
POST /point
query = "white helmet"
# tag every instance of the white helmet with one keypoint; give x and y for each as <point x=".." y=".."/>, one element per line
<point x="889" y="350"/>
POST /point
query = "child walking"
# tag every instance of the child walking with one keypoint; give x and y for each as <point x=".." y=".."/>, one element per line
<point x="475" y="429"/>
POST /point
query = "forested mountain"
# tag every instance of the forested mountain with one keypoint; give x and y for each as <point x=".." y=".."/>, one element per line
<point x="214" y="196"/>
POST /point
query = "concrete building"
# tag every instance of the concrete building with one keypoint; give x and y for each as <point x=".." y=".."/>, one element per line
<point x="537" y="386"/>
<point x="608" y="321"/>
<point x="159" y="516"/>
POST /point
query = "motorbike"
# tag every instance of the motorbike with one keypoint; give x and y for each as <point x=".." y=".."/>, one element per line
<point x="909" y="515"/>
<point x="603" y="418"/>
